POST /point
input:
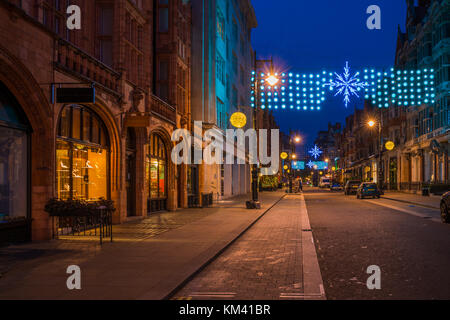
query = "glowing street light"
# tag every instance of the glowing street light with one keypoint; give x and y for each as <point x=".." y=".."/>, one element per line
<point x="372" y="124"/>
<point x="297" y="139"/>
<point x="272" y="80"/>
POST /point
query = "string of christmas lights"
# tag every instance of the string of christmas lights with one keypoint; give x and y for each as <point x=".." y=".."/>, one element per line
<point x="307" y="91"/>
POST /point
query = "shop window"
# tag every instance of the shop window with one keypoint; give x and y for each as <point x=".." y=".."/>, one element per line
<point x="82" y="155"/>
<point x="156" y="170"/>
<point x="14" y="132"/>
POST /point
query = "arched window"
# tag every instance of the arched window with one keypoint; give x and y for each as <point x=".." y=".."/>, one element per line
<point x="82" y="155"/>
<point x="14" y="133"/>
<point x="157" y="174"/>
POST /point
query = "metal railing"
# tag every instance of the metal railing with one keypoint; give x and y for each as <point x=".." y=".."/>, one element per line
<point x="99" y="224"/>
<point x="193" y="201"/>
<point x="207" y="200"/>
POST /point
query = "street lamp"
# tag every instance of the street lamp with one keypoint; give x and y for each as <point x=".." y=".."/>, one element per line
<point x="371" y="124"/>
<point x="271" y="80"/>
<point x="292" y="141"/>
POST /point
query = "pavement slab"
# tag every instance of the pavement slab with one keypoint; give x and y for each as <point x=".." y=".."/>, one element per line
<point x="431" y="201"/>
<point x="139" y="264"/>
<point x="274" y="260"/>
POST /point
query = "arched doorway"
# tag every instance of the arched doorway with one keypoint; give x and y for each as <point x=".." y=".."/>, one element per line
<point x="82" y="155"/>
<point x="157" y="174"/>
<point x="131" y="151"/>
<point x="14" y="168"/>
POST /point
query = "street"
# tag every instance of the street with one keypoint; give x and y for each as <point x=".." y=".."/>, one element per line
<point x="311" y="246"/>
<point x="351" y="234"/>
<point x="407" y="242"/>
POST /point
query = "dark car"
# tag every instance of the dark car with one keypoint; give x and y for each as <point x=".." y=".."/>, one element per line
<point x="368" y="189"/>
<point x="351" y="187"/>
<point x="445" y="206"/>
<point x="334" y="186"/>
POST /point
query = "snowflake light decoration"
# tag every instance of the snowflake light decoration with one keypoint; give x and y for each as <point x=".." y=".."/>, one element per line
<point x="315" y="152"/>
<point x="346" y="84"/>
<point x="310" y="164"/>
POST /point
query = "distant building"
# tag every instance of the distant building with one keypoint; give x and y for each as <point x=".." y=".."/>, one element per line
<point x="420" y="133"/>
<point x="223" y="59"/>
<point x="326" y="140"/>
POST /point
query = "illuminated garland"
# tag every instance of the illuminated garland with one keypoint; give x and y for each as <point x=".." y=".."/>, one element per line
<point x="307" y="91"/>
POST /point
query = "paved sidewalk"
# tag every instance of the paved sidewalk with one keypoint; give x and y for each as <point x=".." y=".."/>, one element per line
<point x="148" y="259"/>
<point x="432" y="202"/>
<point x="274" y="260"/>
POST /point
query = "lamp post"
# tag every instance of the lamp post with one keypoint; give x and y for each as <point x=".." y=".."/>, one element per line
<point x="272" y="80"/>
<point x="373" y="123"/>
<point x="292" y="142"/>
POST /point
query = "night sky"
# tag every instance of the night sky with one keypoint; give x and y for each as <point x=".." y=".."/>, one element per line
<point x="312" y="35"/>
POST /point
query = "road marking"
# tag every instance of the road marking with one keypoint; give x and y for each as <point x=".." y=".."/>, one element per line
<point x="304" y="296"/>
<point x="224" y="295"/>
<point x="413" y="213"/>
<point x="312" y="278"/>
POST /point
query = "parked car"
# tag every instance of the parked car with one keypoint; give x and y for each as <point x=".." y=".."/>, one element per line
<point x="351" y="187"/>
<point x="368" y="189"/>
<point x="445" y="206"/>
<point x="324" y="182"/>
<point x="335" y="186"/>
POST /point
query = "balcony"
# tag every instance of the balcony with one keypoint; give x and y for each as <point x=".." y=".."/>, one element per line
<point x="78" y="63"/>
<point x="163" y="110"/>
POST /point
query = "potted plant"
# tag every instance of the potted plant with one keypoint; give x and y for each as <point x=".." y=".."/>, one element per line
<point x="77" y="208"/>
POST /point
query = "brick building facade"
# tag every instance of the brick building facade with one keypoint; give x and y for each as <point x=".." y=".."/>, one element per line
<point x="136" y="56"/>
<point x="420" y="133"/>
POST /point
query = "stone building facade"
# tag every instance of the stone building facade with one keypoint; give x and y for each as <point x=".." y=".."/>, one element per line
<point x="421" y="133"/>
<point x="423" y="158"/>
<point x="116" y="146"/>
<point x="222" y="57"/>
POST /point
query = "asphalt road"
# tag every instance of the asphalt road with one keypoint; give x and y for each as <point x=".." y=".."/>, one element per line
<point x="410" y="245"/>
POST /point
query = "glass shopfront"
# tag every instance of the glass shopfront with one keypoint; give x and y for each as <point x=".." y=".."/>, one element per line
<point x="82" y="155"/>
<point x="14" y="132"/>
<point x="156" y="172"/>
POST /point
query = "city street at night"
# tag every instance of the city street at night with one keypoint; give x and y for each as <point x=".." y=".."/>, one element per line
<point x="270" y="256"/>
<point x="225" y="159"/>
<point x="350" y="235"/>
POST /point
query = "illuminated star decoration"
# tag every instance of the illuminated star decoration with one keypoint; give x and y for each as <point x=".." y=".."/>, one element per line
<point x="315" y="152"/>
<point x="346" y="84"/>
<point x="310" y="164"/>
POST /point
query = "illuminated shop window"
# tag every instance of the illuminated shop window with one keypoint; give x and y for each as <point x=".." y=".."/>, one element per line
<point x="157" y="174"/>
<point x="82" y="155"/>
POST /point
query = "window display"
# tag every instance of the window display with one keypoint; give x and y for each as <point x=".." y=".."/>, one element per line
<point x="156" y="169"/>
<point x="81" y="156"/>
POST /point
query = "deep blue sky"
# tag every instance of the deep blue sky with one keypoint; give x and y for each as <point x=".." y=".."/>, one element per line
<point x="312" y="35"/>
